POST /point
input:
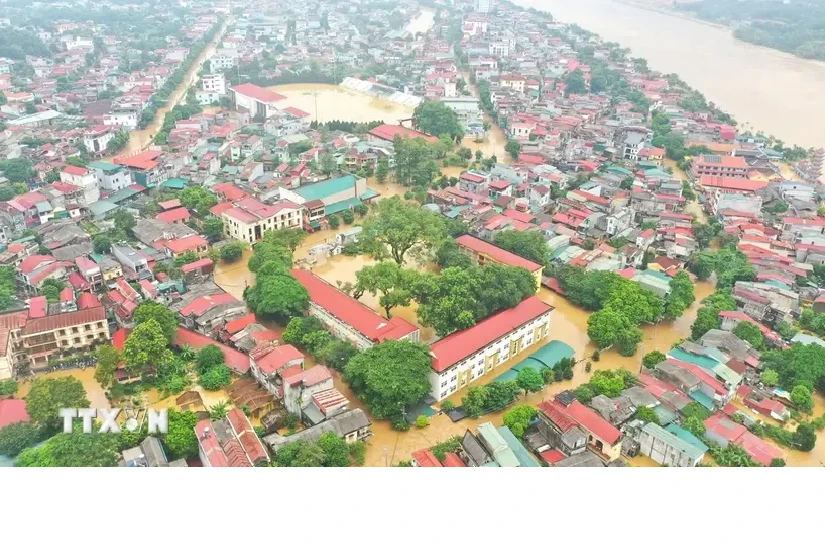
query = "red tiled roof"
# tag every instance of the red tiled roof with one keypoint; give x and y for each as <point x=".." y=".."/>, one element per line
<point x="64" y="320"/>
<point x="732" y="183"/>
<point x="239" y="324"/>
<point x="169" y="204"/>
<point x="210" y="444"/>
<point x="257" y="93"/>
<point x="199" y="264"/>
<point x="724" y="427"/>
<point x="425" y="458"/>
<point x="557" y="415"/>
<point x="593" y="422"/>
<point x="201" y="305"/>
<point x="453" y="460"/>
<point x="174" y="215"/>
<point x="278" y="358"/>
<point x="145" y="161"/>
<point x="12" y="411"/>
<point x="72" y="170"/>
<point x="388" y="132"/>
<point x="553" y="456"/>
<point x="229" y="191"/>
<point x="38" y="307"/>
<point x="309" y="377"/>
<point x="78" y="282"/>
<point x="234" y="359"/>
<point x="8" y="322"/>
<point x="351" y="311"/>
<point x="250" y="442"/>
<point x="498" y="254"/>
<point x="761" y="451"/>
<point x="181" y="245"/>
<point x="30" y="263"/>
<point x="730" y="162"/>
<point x="460" y="345"/>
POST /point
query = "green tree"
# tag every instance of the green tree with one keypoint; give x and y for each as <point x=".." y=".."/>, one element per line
<point x="695" y="410"/>
<point x="608" y="383"/>
<point x="390" y="376"/>
<point x="584" y="393"/>
<point x="388" y="281"/>
<point x="518" y="419"/>
<point x="231" y="252"/>
<point x="72" y="450"/>
<point x="219" y="410"/>
<point x="528" y="244"/>
<point x="8" y="387"/>
<point x="215" y="377"/>
<point x="212" y="228"/>
<point x="606" y="326"/>
<point x="436" y="118"/>
<point x="382" y="170"/>
<point x="513" y="147"/>
<point x="278" y="295"/>
<point x="529" y="380"/>
<point x="474" y="401"/>
<point x="17" y="436"/>
<point x="681" y="295"/>
<point x="695" y="426"/>
<point x="335" y="449"/>
<point x="18" y="170"/>
<point x="646" y="414"/>
<point x="328" y="163"/>
<point x="146" y="347"/>
<point x="398" y="229"/>
<point x="165" y="317"/>
<point x="197" y="198"/>
<point x="653" y="358"/>
<point x="124" y="221"/>
<point x="500" y="394"/>
<point x="288" y="239"/>
<point x="801" y="396"/>
<point x="181" y="440"/>
<point x="778" y="462"/>
<point x="348" y="217"/>
<point x="770" y="378"/>
<point x="334" y="221"/>
<point x="47" y="396"/>
<point x="209" y="356"/>
<point x="102" y="243"/>
<point x="804" y="438"/>
<point x="750" y="333"/>
<point x="575" y="83"/>
<point x="108" y="358"/>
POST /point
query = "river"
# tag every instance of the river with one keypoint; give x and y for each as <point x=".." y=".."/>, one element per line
<point x="763" y="89"/>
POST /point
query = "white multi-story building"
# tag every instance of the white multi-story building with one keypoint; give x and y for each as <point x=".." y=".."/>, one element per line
<point x="247" y="220"/>
<point x="85" y="179"/>
<point x="126" y="119"/>
<point x="483" y="6"/>
<point x="110" y="176"/>
<point x="464" y="356"/>
<point x="224" y="58"/>
<point x="214" y="82"/>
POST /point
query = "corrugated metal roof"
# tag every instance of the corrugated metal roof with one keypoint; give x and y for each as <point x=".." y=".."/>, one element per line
<point x="672" y="440"/>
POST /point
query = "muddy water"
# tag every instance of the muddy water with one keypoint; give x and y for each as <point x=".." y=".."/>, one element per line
<point x="328" y="102"/>
<point x="96" y="394"/>
<point x="422" y="22"/>
<point x="706" y="56"/>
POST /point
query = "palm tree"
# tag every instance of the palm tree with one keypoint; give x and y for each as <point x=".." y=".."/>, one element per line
<point x="187" y="352"/>
<point x="219" y="410"/>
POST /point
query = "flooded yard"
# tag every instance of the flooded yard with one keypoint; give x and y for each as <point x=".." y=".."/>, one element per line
<point x="326" y="102"/>
<point x="94" y="391"/>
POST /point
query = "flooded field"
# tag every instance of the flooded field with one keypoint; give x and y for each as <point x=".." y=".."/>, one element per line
<point x="96" y="394"/>
<point x="422" y="22"/>
<point x="328" y="102"/>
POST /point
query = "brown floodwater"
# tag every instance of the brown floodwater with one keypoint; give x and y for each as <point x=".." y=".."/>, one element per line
<point x="764" y="89"/>
<point x="422" y="22"/>
<point x="95" y="393"/>
<point x="141" y="139"/>
<point x="326" y="102"/>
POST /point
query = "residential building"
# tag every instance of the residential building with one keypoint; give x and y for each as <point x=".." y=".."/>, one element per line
<point x="385" y="134"/>
<point x="268" y="364"/>
<point x="85" y="179"/>
<point x="230" y="442"/>
<point x="484" y="252"/>
<point x="51" y="337"/>
<point x="179" y="246"/>
<point x="718" y="166"/>
<point x="668" y="449"/>
<point x="463" y="356"/>
<point x="351" y="425"/>
<point x="347" y="318"/>
<point x="11" y="355"/>
<point x="328" y="197"/>
<point x="136" y="265"/>
<point x="110" y="176"/>
<point x="603" y="438"/>
<point x="732" y="194"/>
<point x="248" y="219"/>
<point x="305" y="392"/>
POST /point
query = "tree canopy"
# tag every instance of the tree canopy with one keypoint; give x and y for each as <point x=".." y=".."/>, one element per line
<point x="390" y="376"/>
<point x="528" y="244"/>
<point x="48" y="395"/>
<point x="398" y="229"/>
<point x="436" y="118"/>
<point x="166" y="318"/>
<point x="146" y="347"/>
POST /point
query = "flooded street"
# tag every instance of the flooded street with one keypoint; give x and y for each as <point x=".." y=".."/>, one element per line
<point x="140" y="139"/>
<point x="706" y="56"/>
<point x="96" y="394"/>
<point x="328" y="102"/>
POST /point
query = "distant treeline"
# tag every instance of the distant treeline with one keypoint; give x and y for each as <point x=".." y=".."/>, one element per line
<point x="347" y="126"/>
<point x="797" y="28"/>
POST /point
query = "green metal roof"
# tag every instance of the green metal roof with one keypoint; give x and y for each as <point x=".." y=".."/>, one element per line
<point x="521" y="453"/>
<point x="337" y="207"/>
<point x="700" y="360"/>
<point x="122" y="195"/>
<point x="702" y="399"/>
<point x="101" y="207"/>
<point x="326" y="188"/>
<point x="176" y="184"/>
<point x="553" y="352"/>
<point x="665" y="415"/>
<point x="620" y="170"/>
<point x="104" y="166"/>
<point x="370" y="194"/>
<point x="673" y="441"/>
<point x="683" y="434"/>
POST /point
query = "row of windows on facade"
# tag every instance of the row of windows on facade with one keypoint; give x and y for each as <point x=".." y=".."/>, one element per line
<point x="76" y="329"/>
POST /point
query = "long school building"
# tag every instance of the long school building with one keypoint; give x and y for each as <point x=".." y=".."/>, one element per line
<point x="349" y="319"/>
<point x="484" y="252"/>
<point x="463" y="356"/>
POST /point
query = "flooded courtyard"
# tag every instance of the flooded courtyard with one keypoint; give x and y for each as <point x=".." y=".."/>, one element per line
<point x="327" y="102"/>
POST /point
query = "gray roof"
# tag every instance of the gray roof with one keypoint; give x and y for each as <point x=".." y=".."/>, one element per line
<point x="70" y="253"/>
<point x="678" y="374"/>
<point x="473" y="448"/>
<point x="343" y="424"/>
<point x="614" y="409"/>
<point x="640" y="397"/>
<point x="659" y="433"/>
<point x="729" y="343"/>
<point x="583" y="459"/>
<point x="149" y="230"/>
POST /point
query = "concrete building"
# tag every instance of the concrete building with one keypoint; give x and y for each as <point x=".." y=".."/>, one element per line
<point x="110" y="176"/>
<point x="258" y="101"/>
<point x="127" y="119"/>
<point x="484" y="252"/>
<point x="668" y="449"/>
<point x="351" y="425"/>
<point x="467" y="108"/>
<point x="83" y="178"/>
<point x="51" y="337"/>
<point x="136" y="265"/>
<point x="267" y="365"/>
<point x="230" y="442"/>
<point x="732" y="194"/>
<point x="328" y="197"/>
<point x="603" y="438"/>
<point x="719" y="166"/>
<point x="463" y="356"/>
<point x="348" y="319"/>
<point x="248" y="219"/>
